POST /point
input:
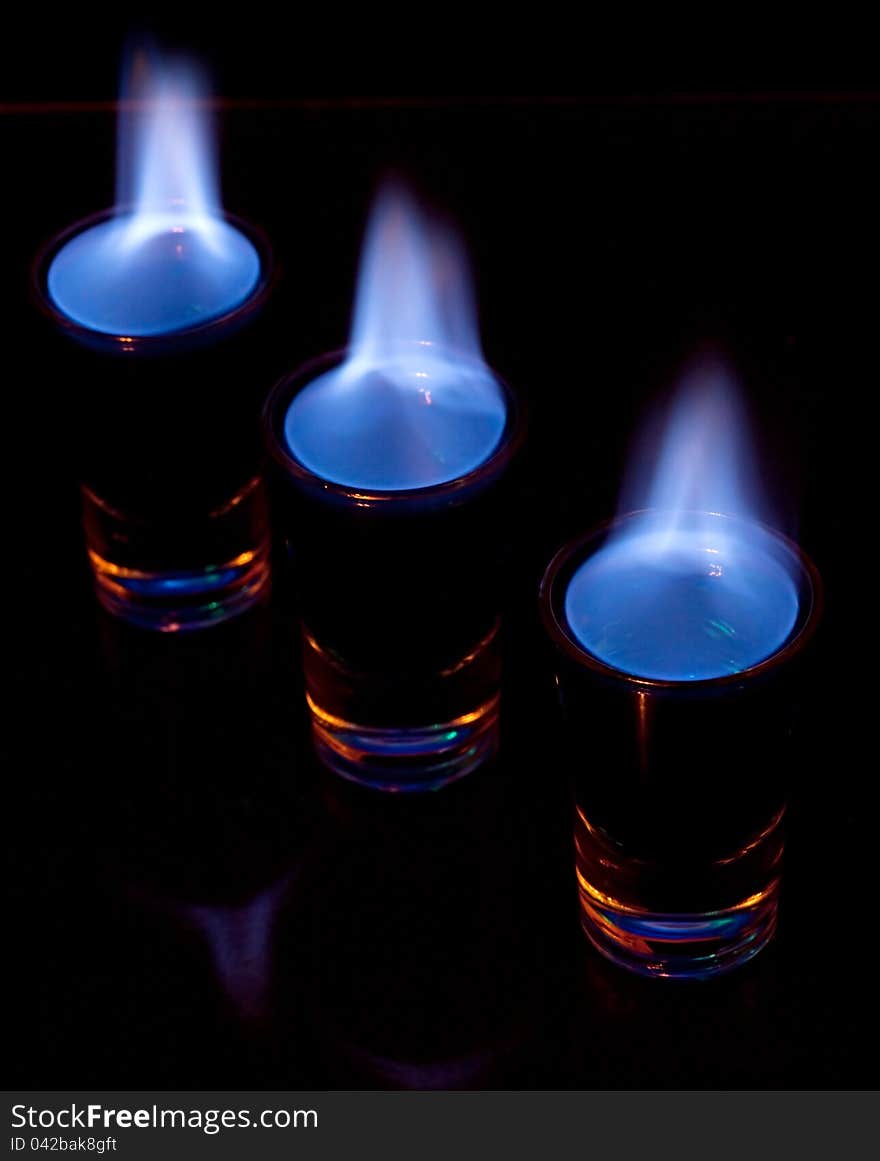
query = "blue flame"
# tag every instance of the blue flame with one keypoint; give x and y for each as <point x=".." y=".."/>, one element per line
<point x="166" y="260"/>
<point x="414" y="404"/>
<point x="682" y="592"/>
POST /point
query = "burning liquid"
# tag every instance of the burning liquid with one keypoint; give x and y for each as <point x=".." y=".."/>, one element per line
<point x="681" y="593"/>
<point x="706" y="599"/>
<point x="166" y="261"/>
<point x="413" y="405"/>
<point x="124" y="277"/>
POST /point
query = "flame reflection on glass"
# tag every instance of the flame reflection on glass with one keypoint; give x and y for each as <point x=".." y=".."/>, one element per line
<point x="413" y="404"/>
<point x="166" y="260"/>
<point x="682" y="592"/>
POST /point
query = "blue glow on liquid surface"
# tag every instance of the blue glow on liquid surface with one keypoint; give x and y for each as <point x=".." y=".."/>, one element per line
<point x="397" y="428"/>
<point x="683" y="605"/>
<point x="130" y="277"/>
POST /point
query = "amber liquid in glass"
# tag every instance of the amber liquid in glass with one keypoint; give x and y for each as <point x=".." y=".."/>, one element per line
<point x="404" y="727"/>
<point x="185" y="571"/>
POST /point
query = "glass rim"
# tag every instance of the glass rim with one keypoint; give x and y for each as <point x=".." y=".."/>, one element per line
<point x="810" y="608"/>
<point x="170" y="341"/>
<point x="431" y="495"/>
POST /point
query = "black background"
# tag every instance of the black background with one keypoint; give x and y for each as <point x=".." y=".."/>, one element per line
<point x="158" y="788"/>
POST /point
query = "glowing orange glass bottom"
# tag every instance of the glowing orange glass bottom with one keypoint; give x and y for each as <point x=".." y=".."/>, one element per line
<point x="184" y="572"/>
<point x="691" y="918"/>
<point x="404" y="731"/>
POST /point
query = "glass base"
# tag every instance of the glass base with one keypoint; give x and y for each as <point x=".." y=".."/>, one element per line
<point x="406" y="758"/>
<point x="680" y="946"/>
<point x="173" y="601"/>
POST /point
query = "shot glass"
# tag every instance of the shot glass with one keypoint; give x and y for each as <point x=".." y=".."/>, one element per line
<point x="164" y="440"/>
<point x="680" y="786"/>
<point x="400" y="596"/>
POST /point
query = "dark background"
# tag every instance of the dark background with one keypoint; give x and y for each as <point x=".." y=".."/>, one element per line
<point x="193" y="904"/>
